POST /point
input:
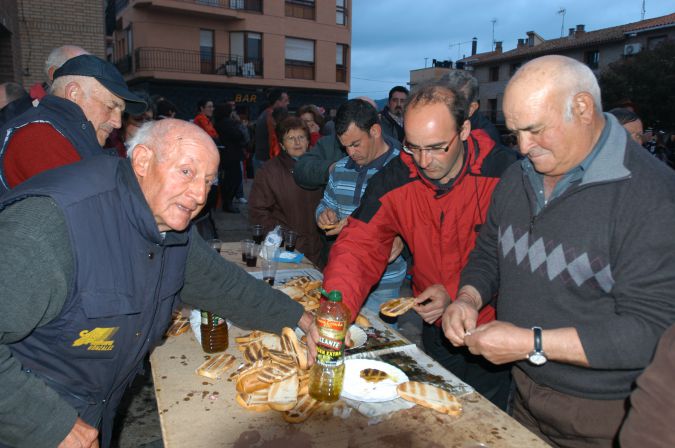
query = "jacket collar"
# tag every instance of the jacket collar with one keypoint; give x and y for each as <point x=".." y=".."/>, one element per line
<point x="609" y="162"/>
<point x="63" y="107"/>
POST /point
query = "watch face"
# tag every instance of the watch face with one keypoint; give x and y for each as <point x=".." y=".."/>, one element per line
<point x="537" y="358"/>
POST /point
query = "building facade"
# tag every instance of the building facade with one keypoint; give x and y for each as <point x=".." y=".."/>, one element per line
<point x="30" y="29"/>
<point x="234" y="50"/>
<point x="597" y="49"/>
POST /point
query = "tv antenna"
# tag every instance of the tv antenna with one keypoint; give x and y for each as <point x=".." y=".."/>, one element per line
<point x="493" y="33"/>
<point x="643" y="10"/>
<point x="562" y="12"/>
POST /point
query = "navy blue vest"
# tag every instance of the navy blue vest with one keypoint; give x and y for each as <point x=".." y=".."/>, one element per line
<point x="64" y="116"/>
<point x="124" y="288"/>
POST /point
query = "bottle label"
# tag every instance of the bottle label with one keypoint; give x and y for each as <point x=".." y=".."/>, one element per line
<point x="215" y="320"/>
<point x="331" y="344"/>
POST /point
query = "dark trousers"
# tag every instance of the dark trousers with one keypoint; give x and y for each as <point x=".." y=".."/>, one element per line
<point x="230" y="179"/>
<point x="563" y="420"/>
<point x="491" y="381"/>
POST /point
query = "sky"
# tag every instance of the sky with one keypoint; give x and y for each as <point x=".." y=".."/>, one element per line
<point x="392" y="37"/>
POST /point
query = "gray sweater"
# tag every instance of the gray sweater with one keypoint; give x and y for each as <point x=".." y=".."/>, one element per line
<point x="599" y="258"/>
<point x="36" y="268"/>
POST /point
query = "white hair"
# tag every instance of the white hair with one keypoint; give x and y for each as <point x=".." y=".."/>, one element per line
<point x="164" y="135"/>
<point x="58" y="56"/>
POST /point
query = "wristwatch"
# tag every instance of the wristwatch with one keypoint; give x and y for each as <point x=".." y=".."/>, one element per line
<point x="537" y="356"/>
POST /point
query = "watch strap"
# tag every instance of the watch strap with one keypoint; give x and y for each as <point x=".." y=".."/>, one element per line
<point x="537" y="339"/>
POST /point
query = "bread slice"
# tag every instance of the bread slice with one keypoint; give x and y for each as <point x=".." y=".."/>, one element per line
<point x="249" y="382"/>
<point x="255" y="335"/>
<point x="396" y="307"/>
<point x="300" y="281"/>
<point x="276" y="371"/>
<point x="294" y="292"/>
<point x="362" y="321"/>
<point x="253" y="352"/>
<point x="328" y="226"/>
<point x="255" y="401"/>
<point x="430" y="396"/>
<point x="283" y="395"/>
<point x="282" y="357"/>
<point x="291" y="345"/>
<point x="305" y="406"/>
<point x="312" y="285"/>
<point x="271" y="341"/>
<point x="214" y="367"/>
<point x="179" y="326"/>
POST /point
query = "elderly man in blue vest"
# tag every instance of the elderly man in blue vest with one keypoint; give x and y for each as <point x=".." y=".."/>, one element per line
<point x="105" y="247"/>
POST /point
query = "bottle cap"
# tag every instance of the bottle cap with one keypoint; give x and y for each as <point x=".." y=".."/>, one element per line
<point x="333" y="296"/>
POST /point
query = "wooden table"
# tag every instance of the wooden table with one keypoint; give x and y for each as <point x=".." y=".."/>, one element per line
<point x="198" y="412"/>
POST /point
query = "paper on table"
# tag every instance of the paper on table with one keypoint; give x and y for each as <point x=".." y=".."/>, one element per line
<point x="290" y="257"/>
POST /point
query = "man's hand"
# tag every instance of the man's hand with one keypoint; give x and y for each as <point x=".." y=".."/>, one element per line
<point x="461" y="316"/>
<point x="307" y="324"/>
<point x="500" y="342"/>
<point x="328" y="217"/>
<point x="336" y="231"/>
<point x="81" y="436"/>
<point x="437" y="299"/>
<point x="396" y="249"/>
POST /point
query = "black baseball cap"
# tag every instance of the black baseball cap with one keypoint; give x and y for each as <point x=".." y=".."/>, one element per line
<point x="105" y="73"/>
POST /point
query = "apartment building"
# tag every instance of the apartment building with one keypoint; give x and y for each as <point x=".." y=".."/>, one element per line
<point x="597" y="49"/>
<point x="30" y="29"/>
<point x="235" y="50"/>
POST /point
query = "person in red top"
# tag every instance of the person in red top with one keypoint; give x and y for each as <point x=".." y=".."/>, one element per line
<point x="435" y="196"/>
<point x="204" y="117"/>
<point x="313" y="119"/>
<point x="72" y="123"/>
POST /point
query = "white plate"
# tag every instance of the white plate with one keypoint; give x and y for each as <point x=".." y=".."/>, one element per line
<point x="356" y="388"/>
<point x="358" y="336"/>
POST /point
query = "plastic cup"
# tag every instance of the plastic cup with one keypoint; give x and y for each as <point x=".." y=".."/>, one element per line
<point x="215" y="244"/>
<point x="291" y="239"/>
<point x="252" y="255"/>
<point x="246" y="248"/>
<point x="269" y="270"/>
<point x="258" y="233"/>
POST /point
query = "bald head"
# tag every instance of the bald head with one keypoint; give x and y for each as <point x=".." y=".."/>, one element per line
<point x="553" y="105"/>
<point x="176" y="164"/>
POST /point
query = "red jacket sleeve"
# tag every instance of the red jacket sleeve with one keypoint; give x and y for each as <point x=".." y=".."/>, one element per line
<point x="35" y="148"/>
<point x="359" y="257"/>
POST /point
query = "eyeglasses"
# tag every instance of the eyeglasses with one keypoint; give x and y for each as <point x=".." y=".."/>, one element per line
<point x="432" y="150"/>
<point x="296" y="139"/>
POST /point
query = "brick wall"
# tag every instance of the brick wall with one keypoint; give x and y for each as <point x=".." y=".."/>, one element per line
<point x="9" y="45"/>
<point x="47" y="24"/>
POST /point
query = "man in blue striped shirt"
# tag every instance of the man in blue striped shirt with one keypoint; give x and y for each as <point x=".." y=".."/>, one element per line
<point x="368" y="151"/>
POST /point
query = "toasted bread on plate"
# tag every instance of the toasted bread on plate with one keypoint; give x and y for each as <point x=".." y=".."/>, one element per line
<point x="430" y="396"/>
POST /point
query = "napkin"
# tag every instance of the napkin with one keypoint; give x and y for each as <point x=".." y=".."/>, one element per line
<point x="290" y="257"/>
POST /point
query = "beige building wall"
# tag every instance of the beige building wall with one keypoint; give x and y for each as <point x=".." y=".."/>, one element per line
<point x="47" y="24"/>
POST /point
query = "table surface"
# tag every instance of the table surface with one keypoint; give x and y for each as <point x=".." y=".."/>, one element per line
<point x="199" y="412"/>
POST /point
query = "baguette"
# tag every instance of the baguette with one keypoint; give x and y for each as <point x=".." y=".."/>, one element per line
<point x="283" y="395"/>
<point x="291" y="345"/>
<point x="362" y="321"/>
<point x="214" y="367"/>
<point x="430" y="396"/>
<point x="305" y="406"/>
<point x="396" y="307"/>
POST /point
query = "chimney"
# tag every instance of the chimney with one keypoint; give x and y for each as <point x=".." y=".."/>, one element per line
<point x="580" y="29"/>
<point x="530" y="38"/>
<point x="571" y="32"/>
<point x="521" y="43"/>
<point x="474" y="46"/>
<point x="498" y="46"/>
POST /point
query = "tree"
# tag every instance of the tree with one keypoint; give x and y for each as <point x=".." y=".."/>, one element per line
<point x="648" y="80"/>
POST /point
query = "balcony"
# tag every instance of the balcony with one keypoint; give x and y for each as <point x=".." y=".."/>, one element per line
<point x="220" y="7"/>
<point x="187" y="61"/>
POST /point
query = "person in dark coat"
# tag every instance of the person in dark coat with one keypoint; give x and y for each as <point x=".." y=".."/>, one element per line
<point x="231" y="148"/>
<point x="277" y="200"/>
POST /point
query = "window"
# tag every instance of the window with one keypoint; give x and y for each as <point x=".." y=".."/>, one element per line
<point x="492" y="111"/>
<point x="494" y="73"/>
<point x="299" y="58"/>
<point x="592" y="59"/>
<point x="514" y="68"/>
<point x="302" y="9"/>
<point x="206" y="55"/>
<point x="245" y="54"/>
<point x="340" y="13"/>
<point x="341" y="63"/>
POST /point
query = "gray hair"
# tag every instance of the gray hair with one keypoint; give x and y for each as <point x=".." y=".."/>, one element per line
<point x="163" y="135"/>
<point x="87" y="83"/>
<point x="463" y="81"/>
<point x="58" y="56"/>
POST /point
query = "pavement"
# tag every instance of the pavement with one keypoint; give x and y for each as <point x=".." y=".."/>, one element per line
<point x="137" y="424"/>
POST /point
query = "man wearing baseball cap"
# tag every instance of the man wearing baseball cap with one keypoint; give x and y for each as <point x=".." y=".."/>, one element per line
<point x="85" y="104"/>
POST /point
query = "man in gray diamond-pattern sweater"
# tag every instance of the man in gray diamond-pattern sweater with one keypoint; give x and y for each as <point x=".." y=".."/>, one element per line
<point x="578" y="244"/>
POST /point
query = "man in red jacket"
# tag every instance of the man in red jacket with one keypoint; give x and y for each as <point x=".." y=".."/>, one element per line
<point x="435" y="196"/>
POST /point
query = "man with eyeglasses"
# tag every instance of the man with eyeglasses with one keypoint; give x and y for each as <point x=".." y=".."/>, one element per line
<point x="435" y="196"/>
<point x="95" y="257"/>
<point x="86" y="102"/>
<point x="368" y="152"/>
